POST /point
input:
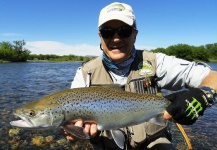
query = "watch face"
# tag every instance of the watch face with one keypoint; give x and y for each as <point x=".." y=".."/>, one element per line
<point x="211" y="94"/>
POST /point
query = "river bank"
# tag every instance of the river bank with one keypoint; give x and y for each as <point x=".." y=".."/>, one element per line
<point x="85" y="59"/>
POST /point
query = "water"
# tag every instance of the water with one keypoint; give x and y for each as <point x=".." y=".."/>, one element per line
<point x="21" y="83"/>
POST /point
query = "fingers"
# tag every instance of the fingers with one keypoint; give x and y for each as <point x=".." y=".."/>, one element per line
<point x="93" y="130"/>
<point x="167" y="116"/>
<point x="70" y="138"/>
<point x="79" y="123"/>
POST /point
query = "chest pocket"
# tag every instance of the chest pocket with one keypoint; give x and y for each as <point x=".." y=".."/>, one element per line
<point x="146" y="85"/>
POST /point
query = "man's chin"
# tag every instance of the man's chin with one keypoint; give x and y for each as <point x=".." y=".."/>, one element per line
<point x="118" y="59"/>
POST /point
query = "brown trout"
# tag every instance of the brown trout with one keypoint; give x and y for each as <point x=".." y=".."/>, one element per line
<point x="108" y="107"/>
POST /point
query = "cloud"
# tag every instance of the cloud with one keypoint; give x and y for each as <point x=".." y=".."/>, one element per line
<point x="58" y="48"/>
<point x="10" y="34"/>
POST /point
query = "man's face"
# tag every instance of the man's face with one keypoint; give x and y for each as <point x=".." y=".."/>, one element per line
<point x="117" y="48"/>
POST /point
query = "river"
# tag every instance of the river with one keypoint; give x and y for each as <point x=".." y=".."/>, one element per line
<point x="21" y="83"/>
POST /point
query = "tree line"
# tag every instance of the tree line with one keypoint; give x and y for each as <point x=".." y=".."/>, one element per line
<point x="15" y="52"/>
<point x="52" y="57"/>
<point x="204" y="53"/>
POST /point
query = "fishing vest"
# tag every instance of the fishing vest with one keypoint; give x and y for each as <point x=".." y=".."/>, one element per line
<point x="141" y="79"/>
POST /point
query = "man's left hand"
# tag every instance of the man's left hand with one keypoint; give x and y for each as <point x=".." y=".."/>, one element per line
<point x="186" y="106"/>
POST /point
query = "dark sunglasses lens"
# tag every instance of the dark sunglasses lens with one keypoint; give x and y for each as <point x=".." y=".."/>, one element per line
<point x="107" y="33"/>
<point x="125" y="32"/>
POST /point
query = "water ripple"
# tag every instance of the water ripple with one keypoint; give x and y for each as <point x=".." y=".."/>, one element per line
<point x="21" y="83"/>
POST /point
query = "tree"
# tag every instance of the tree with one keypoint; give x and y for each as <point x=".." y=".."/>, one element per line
<point x="160" y="50"/>
<point x="212" y="49"/>
<point x="183" y="51"/>
<point x="6" y="51"/>
<point x="200" y="53"/>
<point x="14" y="53"/>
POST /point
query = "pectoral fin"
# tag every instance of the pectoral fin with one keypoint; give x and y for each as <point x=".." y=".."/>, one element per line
<point x="76" y="131"/>
<point x="118" y="137"/>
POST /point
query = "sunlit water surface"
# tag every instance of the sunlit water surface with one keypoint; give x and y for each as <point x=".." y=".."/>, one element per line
<point x="21" y="83"/>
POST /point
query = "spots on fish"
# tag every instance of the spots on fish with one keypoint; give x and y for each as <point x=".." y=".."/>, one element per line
<point x="103" y="105"/>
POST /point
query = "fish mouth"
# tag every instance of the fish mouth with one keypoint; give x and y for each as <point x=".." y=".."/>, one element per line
<point x="22" y="123"/>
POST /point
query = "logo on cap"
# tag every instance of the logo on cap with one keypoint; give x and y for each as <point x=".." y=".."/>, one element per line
<point x="116" y="7"/>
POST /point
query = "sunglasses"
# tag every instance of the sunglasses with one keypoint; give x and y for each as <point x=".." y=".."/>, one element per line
<point x="123" y="32"/>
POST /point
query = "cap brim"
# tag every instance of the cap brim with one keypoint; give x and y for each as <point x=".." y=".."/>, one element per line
<point x="122" y="18"/>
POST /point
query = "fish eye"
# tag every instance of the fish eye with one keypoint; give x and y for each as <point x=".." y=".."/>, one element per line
<point x="31" y="113"/>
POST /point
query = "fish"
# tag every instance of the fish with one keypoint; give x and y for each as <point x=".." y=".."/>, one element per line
<point x="109" y="107"/>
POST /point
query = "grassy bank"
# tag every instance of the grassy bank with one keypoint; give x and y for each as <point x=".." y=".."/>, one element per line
<point x="213" y="60"/>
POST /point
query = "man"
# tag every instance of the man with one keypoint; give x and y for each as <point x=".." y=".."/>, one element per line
<point x="143" y="72"/>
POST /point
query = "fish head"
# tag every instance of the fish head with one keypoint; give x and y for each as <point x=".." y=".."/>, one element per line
<point x="30" y="119"/>
<point x="40" y="114"/>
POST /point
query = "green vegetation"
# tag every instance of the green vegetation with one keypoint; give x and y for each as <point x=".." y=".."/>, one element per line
<point x="17" y="53"/>
<point x="13" y="52"/>
<point x="201" y="53"/>
<point x="57" y="58"/>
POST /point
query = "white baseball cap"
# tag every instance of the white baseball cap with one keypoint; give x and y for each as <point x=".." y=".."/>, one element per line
<point x="117" y="11"/>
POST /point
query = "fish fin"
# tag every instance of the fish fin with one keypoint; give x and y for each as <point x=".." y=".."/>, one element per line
<point x="159" y="120"/>
<point x="76" y="131"/>
<point x="118" y="137"/>
<point x="108" y="134"/>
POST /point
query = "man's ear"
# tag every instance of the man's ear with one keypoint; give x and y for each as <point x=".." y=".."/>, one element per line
<point x="135" y="35"/>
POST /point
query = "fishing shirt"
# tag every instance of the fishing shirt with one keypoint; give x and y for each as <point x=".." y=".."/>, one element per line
<point x="172" y="73"/>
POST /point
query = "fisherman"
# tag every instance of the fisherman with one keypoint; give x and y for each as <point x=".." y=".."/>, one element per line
<point x="143" y="72"/>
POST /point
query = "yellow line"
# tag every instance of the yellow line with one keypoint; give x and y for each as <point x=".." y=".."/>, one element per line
<point x="188" y="142"/>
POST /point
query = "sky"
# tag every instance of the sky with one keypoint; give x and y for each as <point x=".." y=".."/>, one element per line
<point x="64" y="27"/>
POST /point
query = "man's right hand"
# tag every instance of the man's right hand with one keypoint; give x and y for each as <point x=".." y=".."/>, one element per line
<point x="90" y="129"/>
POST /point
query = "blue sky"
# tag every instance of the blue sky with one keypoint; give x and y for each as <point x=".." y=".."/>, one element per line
<point x="65" y="27"/>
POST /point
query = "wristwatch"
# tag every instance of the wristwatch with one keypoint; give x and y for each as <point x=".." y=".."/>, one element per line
<point x="211" y="94"/>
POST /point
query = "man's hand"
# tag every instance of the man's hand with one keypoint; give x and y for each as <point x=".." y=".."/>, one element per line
<point x="167" y="116"/>
<point x="186" y="106"/>
<point x="90" y="128"/>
